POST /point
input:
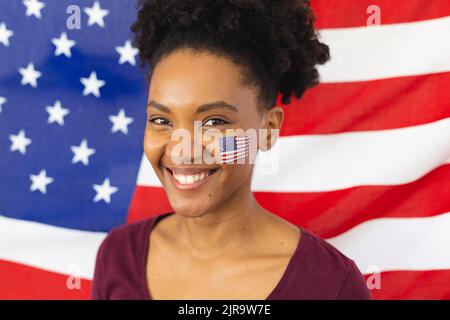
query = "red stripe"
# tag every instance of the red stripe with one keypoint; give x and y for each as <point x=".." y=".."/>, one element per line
<point x="351" y="13"/>
<point x="228" y="160"/>
<point x="232" y="159"/>
<point x="18" y="281"/>
<point x="407" y="285"/>
<point x="234" y="154"/>
<point x="331" y="213"/>
<point x="371" y="105"/>
<point x="147" y="202"/>
<point x="239" y="150"/>
<point x="236" y="150"/>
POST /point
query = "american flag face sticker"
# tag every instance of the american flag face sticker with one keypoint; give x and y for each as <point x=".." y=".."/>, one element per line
<point x="233" y="148"/>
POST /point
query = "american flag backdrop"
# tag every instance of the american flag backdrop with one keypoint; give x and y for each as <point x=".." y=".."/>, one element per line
<point x="364" y="156"/>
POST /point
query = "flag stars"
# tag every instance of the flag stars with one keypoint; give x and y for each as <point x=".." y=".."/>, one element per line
<point x="96" y="15"/>
<point x="63" y="45"/>
<point x="2" y="102"/>
<point x="34" y="8"/>
<point x="19" y="142"/>
<point x="92" y="85"/>
<point x="82" y="153"/>
<point x="29" y="75"/>
<point x="5" y="34"/>
<point x="127" y="53"/>
<point x="40" y="181"/>
<point x="120" y="122"/>
<point x="104" y="191"/>
<point x="56" y="113"/>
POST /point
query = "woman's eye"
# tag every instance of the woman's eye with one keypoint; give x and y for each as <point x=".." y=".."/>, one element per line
<point x="160" y="121"/>
<point x="215" y="122"/>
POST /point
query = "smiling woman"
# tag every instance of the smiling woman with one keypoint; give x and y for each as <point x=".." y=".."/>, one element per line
<point x="221" y="63"/>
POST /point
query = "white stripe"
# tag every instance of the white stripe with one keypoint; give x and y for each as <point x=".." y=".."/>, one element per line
<point x="398" y="243"/>
<point x="61" y="250"/>
<point x="386" y="51"/>
<point x="315" y="163"/>
<point x="234" y="158"/>
<point x="234" y="151"/>
<point x="232" y="155"/>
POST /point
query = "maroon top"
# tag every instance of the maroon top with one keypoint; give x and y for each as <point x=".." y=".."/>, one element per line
<point x="316" y="270"/>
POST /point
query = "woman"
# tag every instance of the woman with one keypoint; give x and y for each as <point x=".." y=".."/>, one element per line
<point x="222" y="63"/>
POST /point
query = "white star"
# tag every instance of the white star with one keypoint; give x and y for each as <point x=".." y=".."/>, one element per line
<point x="104" y="191"/>
<point x="29" y="75"/>
<point x="120" y="122"/>
<point x="92" y="85"/>
<point x="82" y="153"/>
<point x="96" y="14"/>
<point x="34" y="7"/>
<point x="2" y="101"/>
<point x="57" y="113"/>
<point x="127" y="53"/>
<point x="19" y="142"/>
<point x="5" y="34"/>
<point x="40" y="181"/>
<point x="63" y="45"/>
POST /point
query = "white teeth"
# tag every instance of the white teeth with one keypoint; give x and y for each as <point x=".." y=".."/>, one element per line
<point x="190" y="179"/>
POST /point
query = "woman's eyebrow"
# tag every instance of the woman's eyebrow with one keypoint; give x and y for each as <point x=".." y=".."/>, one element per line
<point x="202" y="108"/>
<point x="216" y="105"/>
<point x="158" y="106"/>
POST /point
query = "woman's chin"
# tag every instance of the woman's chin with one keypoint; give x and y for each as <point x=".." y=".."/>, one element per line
<point x="190" y="210"/>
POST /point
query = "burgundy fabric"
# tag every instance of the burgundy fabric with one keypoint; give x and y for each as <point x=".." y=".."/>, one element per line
<point x="316" y="270"/>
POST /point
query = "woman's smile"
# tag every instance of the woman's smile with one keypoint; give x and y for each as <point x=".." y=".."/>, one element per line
<point x="188" y="178"/>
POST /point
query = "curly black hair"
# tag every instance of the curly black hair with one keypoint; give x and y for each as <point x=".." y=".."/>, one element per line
<point x="274" y="41"/>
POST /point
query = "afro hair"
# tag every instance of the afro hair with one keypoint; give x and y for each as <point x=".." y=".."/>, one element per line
<point x="273" y="40"/>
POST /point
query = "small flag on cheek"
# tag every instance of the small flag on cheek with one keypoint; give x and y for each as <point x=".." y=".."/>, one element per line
<point x="233" y="148"/>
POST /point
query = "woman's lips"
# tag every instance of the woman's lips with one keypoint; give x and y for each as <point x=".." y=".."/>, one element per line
<point x="190" y="178"/>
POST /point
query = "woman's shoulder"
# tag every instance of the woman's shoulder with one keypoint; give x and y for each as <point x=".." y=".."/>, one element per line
<point x="321" y="271"/>
<point x="129" y="235"/>
<point x="120" y="261"/>
<point x="320" y="251"/>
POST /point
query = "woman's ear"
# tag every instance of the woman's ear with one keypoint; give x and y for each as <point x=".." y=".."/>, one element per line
<point x="272" y="121"/>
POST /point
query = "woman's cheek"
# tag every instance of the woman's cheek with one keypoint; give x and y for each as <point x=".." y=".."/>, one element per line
<point x="237" y="174"/>
<point x="153" y="148"/>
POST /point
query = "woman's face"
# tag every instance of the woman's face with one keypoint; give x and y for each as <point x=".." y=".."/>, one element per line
<point x="180" y="84"/>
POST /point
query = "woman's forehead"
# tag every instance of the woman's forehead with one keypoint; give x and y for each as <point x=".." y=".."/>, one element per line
<point x="185" y="78"/>
<point x="196" y="71"/>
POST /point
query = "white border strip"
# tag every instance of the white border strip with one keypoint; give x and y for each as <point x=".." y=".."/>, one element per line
<point x="387" y="51"/>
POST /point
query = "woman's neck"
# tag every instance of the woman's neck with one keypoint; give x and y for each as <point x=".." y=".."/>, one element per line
<point x="224" y="230"/>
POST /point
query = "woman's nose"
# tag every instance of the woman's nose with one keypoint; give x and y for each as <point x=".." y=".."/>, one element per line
<point x="186" y="144"/>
